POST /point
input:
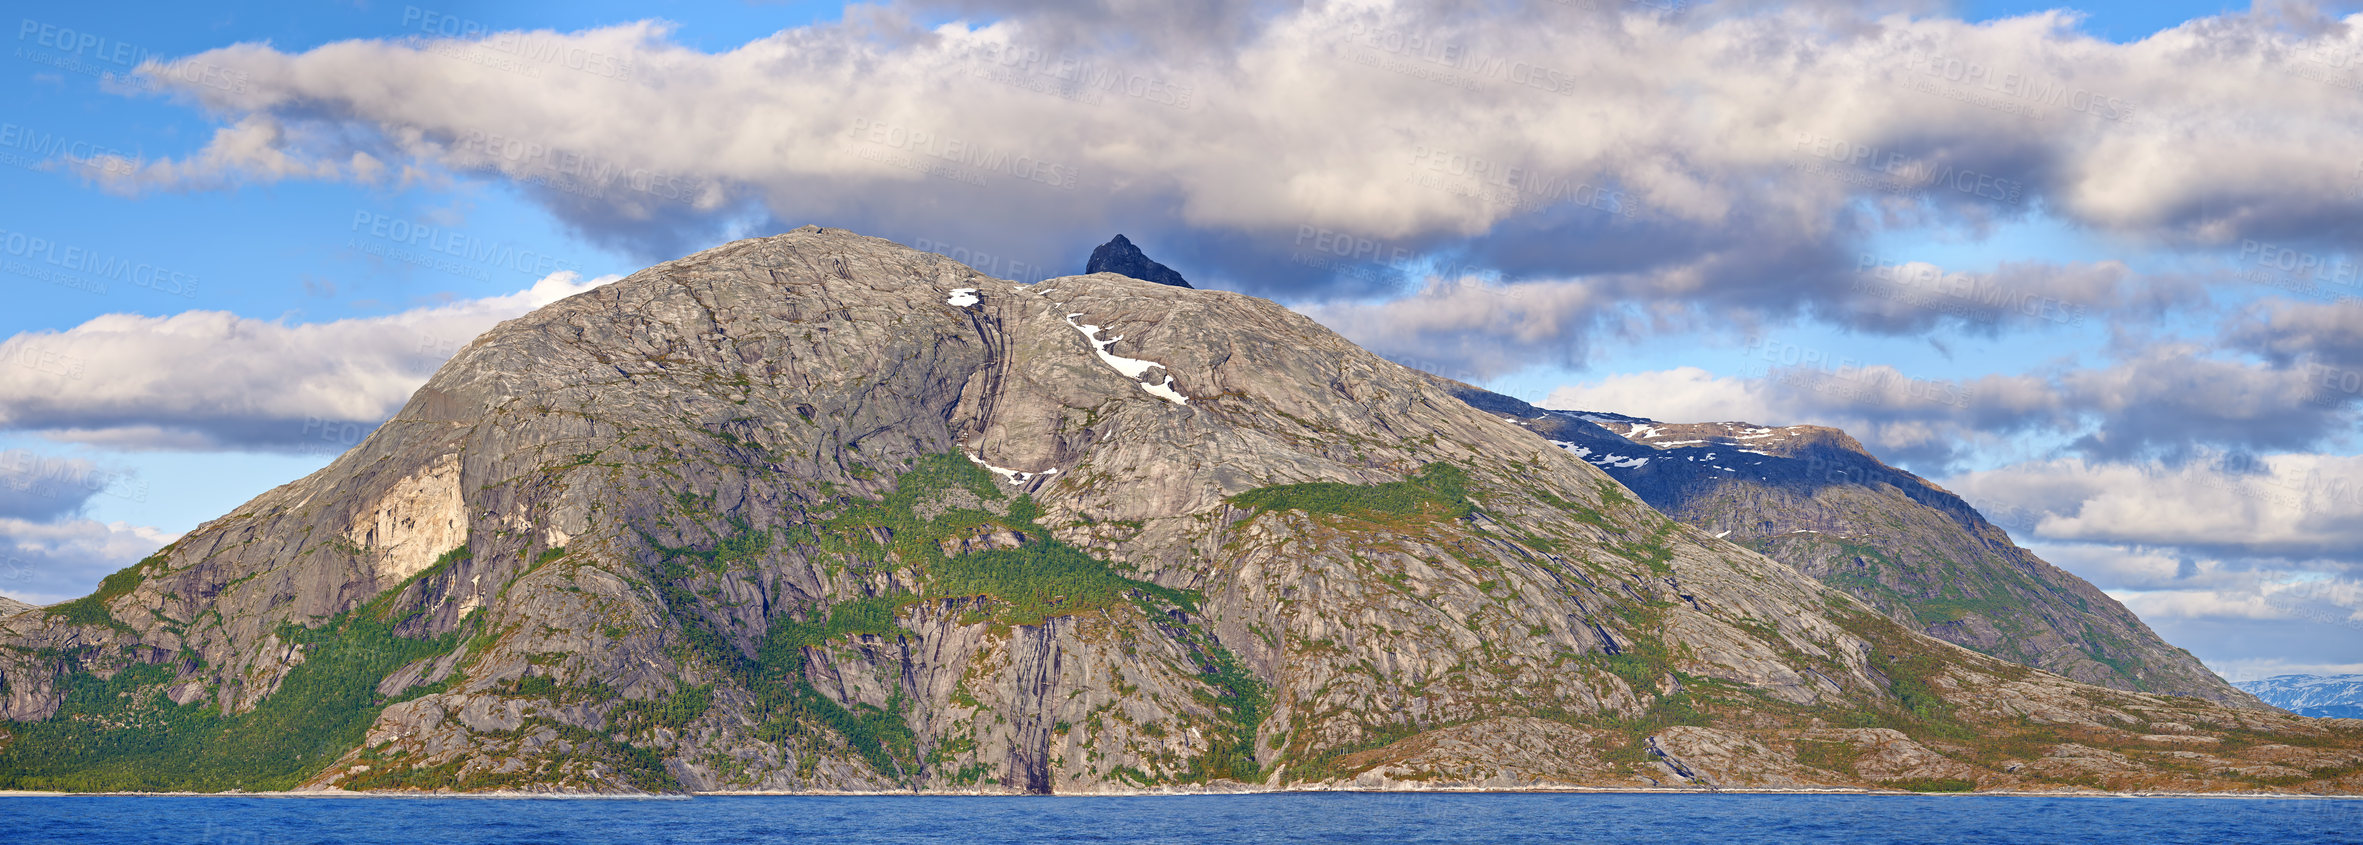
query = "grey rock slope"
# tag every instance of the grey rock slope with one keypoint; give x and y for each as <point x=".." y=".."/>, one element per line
<point x="1812" y="497"/>
<point x="9" y="606"/>
<point x="2326" y="696"/>
<point x="1120" y="257"/>
<point x="818" y="512"/>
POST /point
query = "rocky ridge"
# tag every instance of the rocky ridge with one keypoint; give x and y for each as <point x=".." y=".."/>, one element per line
<point x="818" y="512"/>
<point x="1814" y="498"/>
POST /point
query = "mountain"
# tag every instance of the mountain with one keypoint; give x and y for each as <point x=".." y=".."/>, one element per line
<point x="10" y="606"/>
<point x="1814" y="498"/>
<point x="1120" y="257"/>
<point x="2327" y="696"/>
<point x="819" y="512"/>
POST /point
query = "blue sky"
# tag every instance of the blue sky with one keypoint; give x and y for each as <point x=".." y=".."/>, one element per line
<point x="276" y="241"/>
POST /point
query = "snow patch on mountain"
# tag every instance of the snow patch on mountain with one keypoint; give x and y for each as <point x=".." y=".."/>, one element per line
<point x="2328" y="696"/>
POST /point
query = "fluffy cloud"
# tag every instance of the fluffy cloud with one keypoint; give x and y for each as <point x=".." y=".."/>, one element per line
<point x="46" y="562"/>
<point x="215" y="380"/>
<point x="2167" y="400"/>
<point x="2251" y="617"/>
<point x="2294" y="507"/>
<point x="1734" y="156"/>
<point x="2327" y="334"/>
<point x="38" y="486"/>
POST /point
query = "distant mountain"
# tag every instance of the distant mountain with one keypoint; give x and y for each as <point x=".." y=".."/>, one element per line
<point x="1120" y="257"/>
<point x="1814" y="498"/>
<point x="2329" y="696"/>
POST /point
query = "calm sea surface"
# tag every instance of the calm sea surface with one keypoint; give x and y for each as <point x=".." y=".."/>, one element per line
<point x="1334" y="817"/>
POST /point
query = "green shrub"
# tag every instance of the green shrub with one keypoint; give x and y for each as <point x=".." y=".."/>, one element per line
<point x="121" y="733"/>
<point x="1438" y="489"/>
<point x="1932" y="785"/>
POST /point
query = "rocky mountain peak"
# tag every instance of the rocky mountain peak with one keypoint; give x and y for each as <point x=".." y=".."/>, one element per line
<point x="1120" y="257"/>
<point x="820" y="512"/>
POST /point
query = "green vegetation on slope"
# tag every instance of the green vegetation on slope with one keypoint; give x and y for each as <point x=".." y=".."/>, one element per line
<point x="121" y="733"/>
<point x="945" y="499"/>
<point x="942" y="500"/>
<point x="92" y="610"/>
<point x="1438" y="489"/>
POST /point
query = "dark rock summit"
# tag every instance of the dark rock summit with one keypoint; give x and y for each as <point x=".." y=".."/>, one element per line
<point x="821" y="513"/>
<point x="1120" y="257"/>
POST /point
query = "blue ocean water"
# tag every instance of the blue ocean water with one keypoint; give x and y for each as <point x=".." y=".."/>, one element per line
<point x="1285" y="818"/>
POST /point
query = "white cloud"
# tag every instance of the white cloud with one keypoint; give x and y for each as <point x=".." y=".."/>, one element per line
<point x="2165" y="400"/>
<point x="255" y="150"/>
<point x="2292" y="506"/>
<point x="211" y="379"/>
<point x="1704" y="153"/>
<point x="2259" y="668"/>
<point x="48" y="562"/>
<point x="2252" y="615"/>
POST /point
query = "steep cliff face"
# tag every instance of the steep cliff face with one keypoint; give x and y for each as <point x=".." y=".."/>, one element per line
<point x="1814" y="498"/>
<point x="819" y="512"/>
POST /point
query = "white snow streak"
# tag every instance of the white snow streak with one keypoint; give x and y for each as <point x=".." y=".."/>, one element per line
<point x="1132" y="368"/>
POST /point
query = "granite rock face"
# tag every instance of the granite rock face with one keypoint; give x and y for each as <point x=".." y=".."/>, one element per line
<point x="1814" y="498"/>
<point x="1120" y="257"/>
<point x="818" y="512"/>
<point x="9" y="606"/>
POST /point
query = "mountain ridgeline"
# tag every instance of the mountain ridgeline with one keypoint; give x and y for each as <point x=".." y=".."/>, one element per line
<point x="2327" y="696"/>
<point x="818" y="512"/>
<point x="1813" y="498"/>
